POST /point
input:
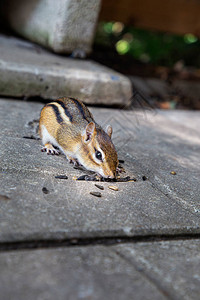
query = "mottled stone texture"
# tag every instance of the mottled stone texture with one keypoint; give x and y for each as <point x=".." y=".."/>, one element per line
<point x="74" y="273"/>
<point x="162" y="204"/>
<point x="147" y="270"/>
<point x="50" y="229"/>
<point x="61" y="25"/>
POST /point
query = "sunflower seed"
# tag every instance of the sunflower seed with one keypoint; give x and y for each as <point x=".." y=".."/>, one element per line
<point x="45" y="190"/>
<point x="121" y="161"/>
<point x="114" y="188"/>
<point x="97" y="194"/>
<point x="61" y="177"/>
<point x="173" y="172"/>
<point x="99" y="186"/>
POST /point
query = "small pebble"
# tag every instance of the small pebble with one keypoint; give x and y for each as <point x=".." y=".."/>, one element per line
<point x="97" y="194"/>
<point x="45" y="190"/>
<point x="112" y="187"/>
<point x="61" y="177"/>
<point x="99" y="186"/>
<point x="173" y="172"/>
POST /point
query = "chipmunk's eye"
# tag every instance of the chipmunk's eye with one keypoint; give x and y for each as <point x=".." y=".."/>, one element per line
<point x="98" y="155"/>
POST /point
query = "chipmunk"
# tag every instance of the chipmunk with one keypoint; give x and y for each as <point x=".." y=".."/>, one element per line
<point x="67" y="124"/>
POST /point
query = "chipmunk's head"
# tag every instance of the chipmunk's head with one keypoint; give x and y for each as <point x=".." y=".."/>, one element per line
<point x="98" y="153"/>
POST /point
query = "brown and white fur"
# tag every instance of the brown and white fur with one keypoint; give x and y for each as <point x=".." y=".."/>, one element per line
<point x="67" y="124"/>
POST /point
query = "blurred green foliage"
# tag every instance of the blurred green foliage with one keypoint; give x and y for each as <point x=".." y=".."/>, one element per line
<point x="149" y="46"/>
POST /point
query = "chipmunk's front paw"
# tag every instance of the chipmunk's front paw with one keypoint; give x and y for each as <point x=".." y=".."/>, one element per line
<point x="120" y="170"/>
<point x="50" y="150"/>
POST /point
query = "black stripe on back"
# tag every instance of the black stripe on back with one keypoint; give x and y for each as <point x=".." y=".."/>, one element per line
<point x="80" y="107"/>
<point x="57" y="113"/>
<point x="65" y="109"/>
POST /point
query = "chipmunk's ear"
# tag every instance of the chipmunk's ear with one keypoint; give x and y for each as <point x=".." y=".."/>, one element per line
<point x="109" y="130"/>
<point x="90" y="131"/>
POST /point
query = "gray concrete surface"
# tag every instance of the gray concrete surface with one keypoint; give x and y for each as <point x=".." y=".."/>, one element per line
<point x="160" y="205"/>
<point x="156" y="270"/>
<point x="94" y="272"/>
<point x="63" y="25"/>
<point x="165" y="206"/>
<point x="28" y="70"/>
<point x="173" y="266"/>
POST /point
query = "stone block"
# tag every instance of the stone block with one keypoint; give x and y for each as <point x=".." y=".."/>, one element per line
<point x="173" y="266"/>
<point x="156" y="206"/>
<point x="93" y="272"/>
<point x="29" y="71"/>
<point x="139" y="270"/>
<point x="63" y="25"/>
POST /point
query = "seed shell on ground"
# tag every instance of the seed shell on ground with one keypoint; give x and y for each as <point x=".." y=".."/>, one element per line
<point x="121" y="161"/>
<point x="45" y="190"/>
<point x="96" y="194"/>
<point x="112" y="187"/>
<point x="173" y="172"/>
<point x="61" y="177"/>
<point x="99" y="186"/>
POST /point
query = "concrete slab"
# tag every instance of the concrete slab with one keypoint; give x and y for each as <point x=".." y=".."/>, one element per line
<point x="171" y="143"/>
<point x="173" y="266"/>
<point x="159" y="205"/>
<point x="72" y="273"/>
<point x="163" y="270"/>
<point x="63" y="26"/>
<point x="28" y="70"/>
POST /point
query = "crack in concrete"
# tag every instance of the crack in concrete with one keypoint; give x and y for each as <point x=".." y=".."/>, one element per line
<point x="104" y="241"/>
<point x="164" y="290"/>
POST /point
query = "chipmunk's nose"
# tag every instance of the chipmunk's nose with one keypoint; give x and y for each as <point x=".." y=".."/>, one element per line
<point x="112" y="175"/>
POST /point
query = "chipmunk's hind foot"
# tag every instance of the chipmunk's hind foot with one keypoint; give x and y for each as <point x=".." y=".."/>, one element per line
<point x="49" y="149"/>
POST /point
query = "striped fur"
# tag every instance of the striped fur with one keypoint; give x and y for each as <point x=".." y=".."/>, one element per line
<point x="65" y="121"/>
<point x="65" y="110"/>
<point x="56" y="112"/>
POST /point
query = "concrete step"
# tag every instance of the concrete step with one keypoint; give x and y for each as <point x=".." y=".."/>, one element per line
<point x="73" y="273"/>
<point x="137" y="270"/>
<point x="28" y="71"/>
